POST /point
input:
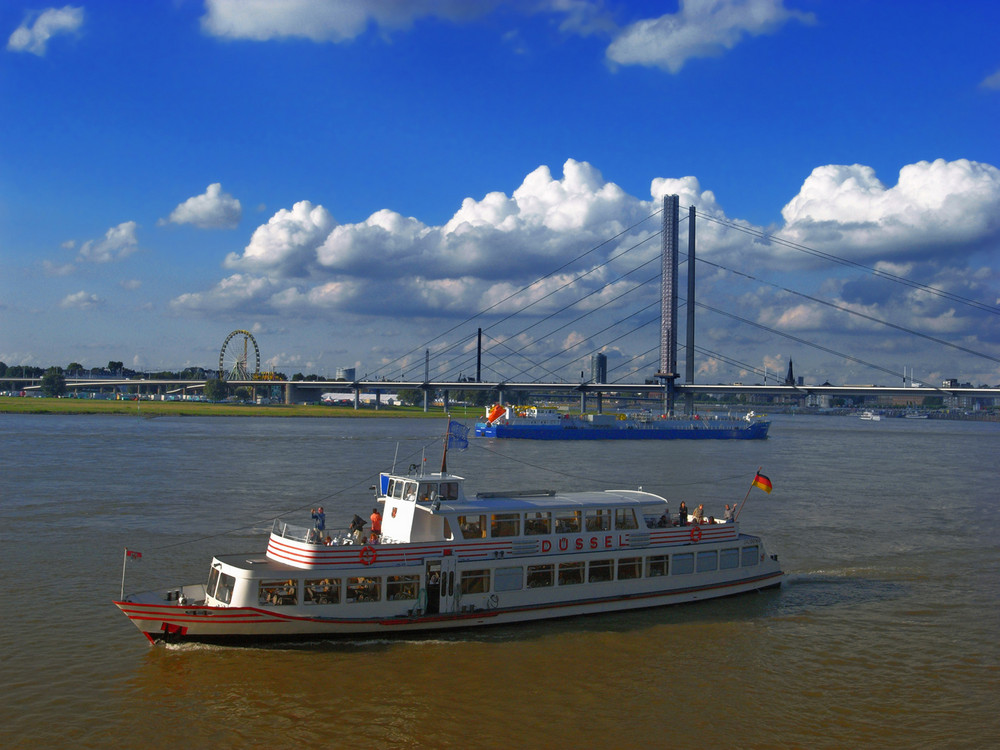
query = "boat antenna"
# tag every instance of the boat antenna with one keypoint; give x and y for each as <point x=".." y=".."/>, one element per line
<point x="394" y="457"/>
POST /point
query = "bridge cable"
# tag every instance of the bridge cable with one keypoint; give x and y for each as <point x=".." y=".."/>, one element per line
<point x="514" y="294"/>
<point x="767" y="238"/>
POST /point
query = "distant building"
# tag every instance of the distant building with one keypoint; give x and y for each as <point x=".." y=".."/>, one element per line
<point x="346" y="373"/>
<point x="599" y="368"/>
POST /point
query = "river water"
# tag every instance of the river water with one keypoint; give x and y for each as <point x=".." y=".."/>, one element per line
<point x="886" y="633"/>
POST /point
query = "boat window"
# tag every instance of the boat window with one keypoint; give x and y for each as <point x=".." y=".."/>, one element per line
<point x="321" y="591"/>
<point x="398" y="485"/>
<point x="402" y="587"/>
<point x="363" y="589"/>
<point x="473" y="527"/>
<point x="447" y="529"/>
<point x="427" y="492"/>
<point x="213" y="581"/>
<point x="729" y="558"/>
<point x="410" y="491"/>
<point x="570" y="573"/>
<point x="475" y="581"/>
<point x="225" y="592"/>
<point x="508" y="579"/>
<point x="449" y="490"/>
<point x="629" y="567"/>
<point x="537" y="522"/>
<point x="708" y="561"/>
<point x="505" y="524"/>
<point x="751" y="555"/>
<point x="567" y="522"/>
<point x="657" y="565"/>
<point x="598" y="520"/>
<point x="684" y="564"/>
<point x="276" y="592"/>
<point x="539" y="575"/>
<point x="600" y="570"/>
<point x="625" y="518"/>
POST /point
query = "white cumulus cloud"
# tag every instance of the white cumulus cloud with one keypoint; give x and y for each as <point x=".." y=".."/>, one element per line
<point x="847" y="210"/>
<point x="326" y="20"/>
<point x="700" y="28"/>
<point x="992" y="82"/>
<point x="81" y="301"/>
<point x="118" y="242"/>
<point x="213" y="209"/>
<point x="34" y="37"/>
<point x="287" y="244"/>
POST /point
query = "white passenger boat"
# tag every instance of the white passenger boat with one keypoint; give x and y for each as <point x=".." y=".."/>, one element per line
<point x="447" y="560"/>
<point x="870" y="416"/>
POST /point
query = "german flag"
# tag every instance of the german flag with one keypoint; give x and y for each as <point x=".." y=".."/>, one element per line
<point x="762" y="482"/>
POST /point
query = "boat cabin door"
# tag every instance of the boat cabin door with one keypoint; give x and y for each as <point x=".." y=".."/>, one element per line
<point x="441" y="585"/>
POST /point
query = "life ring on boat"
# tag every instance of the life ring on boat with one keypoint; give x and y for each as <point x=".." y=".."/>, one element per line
<point x="368" y="555"/>
<point x="696" y="533"/>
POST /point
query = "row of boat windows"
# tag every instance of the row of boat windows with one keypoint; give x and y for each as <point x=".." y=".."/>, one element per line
<point x="329" y="590"/>
<point x="543" y="522"/>
<point x="423" y="492"/>
<point x="684" y="563"/>
<point x="407" y="587"/>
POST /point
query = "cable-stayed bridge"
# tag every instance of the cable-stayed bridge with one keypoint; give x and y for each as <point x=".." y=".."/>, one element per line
<point x="662" y="382"/>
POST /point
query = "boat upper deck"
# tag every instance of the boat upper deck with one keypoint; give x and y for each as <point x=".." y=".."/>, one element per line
<point x="430" y="514"/>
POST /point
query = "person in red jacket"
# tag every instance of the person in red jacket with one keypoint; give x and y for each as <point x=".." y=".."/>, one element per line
<point x="376" y="521"/>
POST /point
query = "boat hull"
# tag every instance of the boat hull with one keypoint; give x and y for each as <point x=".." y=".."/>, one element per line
<point x="175" y="623"/>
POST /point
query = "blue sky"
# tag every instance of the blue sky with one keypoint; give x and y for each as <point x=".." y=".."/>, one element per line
<point x="351" y="180"/>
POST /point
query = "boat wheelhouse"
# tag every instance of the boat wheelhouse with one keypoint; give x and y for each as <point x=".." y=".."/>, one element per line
<point x="447" y="560"/>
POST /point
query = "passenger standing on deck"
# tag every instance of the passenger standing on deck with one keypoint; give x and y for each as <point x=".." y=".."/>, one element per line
<point x="320" y="518"/>
<point x="729" y="516"/>
<point x="699" y="514"/>
<point x="682" y="514"/>
<point x="376" y="521"/>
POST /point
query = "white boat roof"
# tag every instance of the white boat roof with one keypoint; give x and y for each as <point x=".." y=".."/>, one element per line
<point x="531" y="500"/>
<point x="523" y="501"/>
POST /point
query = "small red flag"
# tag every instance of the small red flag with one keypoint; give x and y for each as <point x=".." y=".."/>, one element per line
<point x="131" y="553"/>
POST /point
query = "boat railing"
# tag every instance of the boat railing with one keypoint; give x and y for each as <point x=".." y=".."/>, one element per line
<point x="311" y="535"/>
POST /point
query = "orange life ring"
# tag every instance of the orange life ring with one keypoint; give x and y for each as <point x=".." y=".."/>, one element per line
<point x="696" y="533"/>
<point x="368" y="555"/>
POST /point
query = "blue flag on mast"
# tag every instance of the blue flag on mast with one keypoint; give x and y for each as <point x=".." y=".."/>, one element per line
<point x="458" y="436"/>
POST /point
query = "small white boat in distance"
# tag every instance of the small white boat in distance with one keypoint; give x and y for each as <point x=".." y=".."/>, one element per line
<point x="448" y="560"/>
<point x="870" y="416"/>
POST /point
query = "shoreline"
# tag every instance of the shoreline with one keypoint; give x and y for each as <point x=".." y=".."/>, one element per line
<point x="150" y="409"/>
<point x="82" y="407"/>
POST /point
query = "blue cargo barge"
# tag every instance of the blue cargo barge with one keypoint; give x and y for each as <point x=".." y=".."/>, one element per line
<point x="531" y="423"/>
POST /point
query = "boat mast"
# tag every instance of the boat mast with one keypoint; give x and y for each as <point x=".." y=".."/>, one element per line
<point x="444" y="454"/>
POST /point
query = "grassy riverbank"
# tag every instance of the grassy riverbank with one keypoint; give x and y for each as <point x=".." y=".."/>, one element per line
<point x="14" y="405"/>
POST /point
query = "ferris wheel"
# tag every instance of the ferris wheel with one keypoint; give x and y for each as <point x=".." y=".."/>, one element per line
<point x="234" y="357"/>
